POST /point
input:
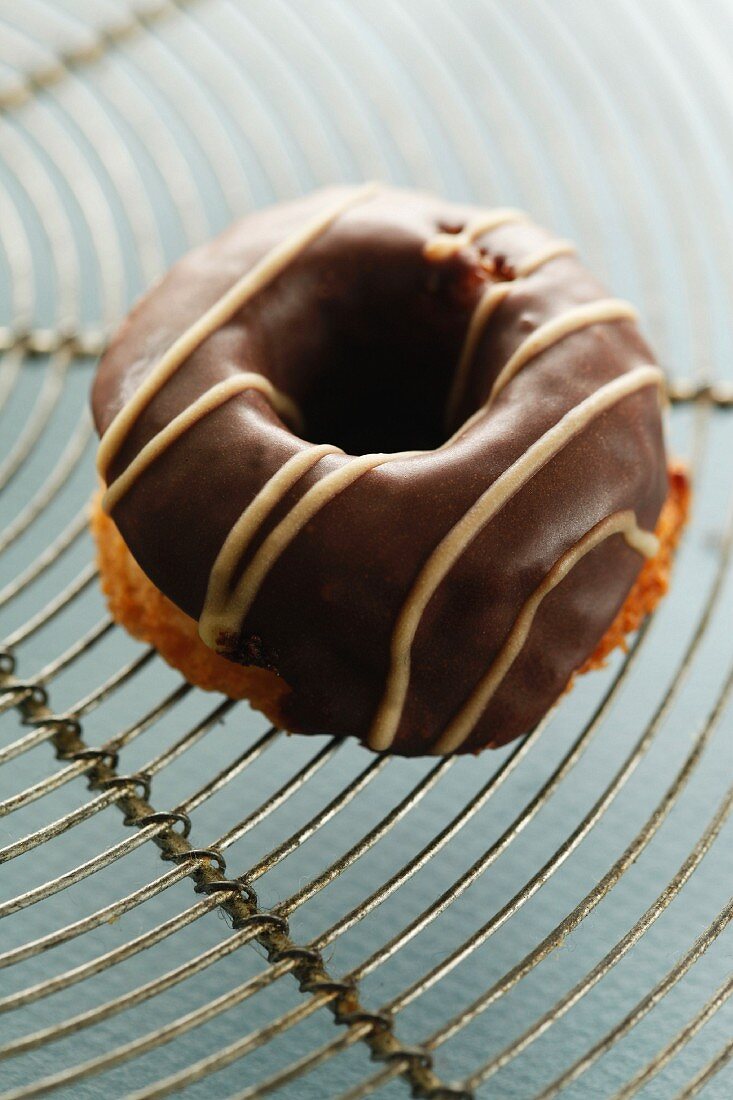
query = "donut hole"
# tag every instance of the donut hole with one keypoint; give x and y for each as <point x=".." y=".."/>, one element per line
<point x="374" y="356"/>
<point x="376" y="395"/>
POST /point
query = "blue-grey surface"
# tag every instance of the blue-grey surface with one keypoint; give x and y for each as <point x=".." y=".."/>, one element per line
<point x="124" y="139"/>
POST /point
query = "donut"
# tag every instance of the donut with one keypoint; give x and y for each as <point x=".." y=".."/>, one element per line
<point x="386" y="465"/>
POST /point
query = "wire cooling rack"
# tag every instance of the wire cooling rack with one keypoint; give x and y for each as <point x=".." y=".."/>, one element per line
<point x="552" y="919"/>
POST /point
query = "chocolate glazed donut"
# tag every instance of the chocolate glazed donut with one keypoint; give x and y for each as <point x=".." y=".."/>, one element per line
<point x="404" y="453"/>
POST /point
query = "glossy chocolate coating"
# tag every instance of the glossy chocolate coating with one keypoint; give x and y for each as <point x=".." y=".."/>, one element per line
<point x="364" y="332"/>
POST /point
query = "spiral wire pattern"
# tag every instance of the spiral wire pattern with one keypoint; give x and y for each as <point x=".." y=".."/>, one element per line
<point x="549" y="920"/>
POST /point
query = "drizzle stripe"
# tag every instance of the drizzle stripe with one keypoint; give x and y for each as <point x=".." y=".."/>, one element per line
<point x="486" y="307"/>
<point x="455" y="542"/>
<point x="182" y="423"/>
<point x="544" y="337"/>
<point x="236" y="542"/>
<point x="217" y="315"/>
<point x="228" y="614"/>
<point x="542" y="256"/>
<point x="444" y="245"/>
<point x="622" y="523"/>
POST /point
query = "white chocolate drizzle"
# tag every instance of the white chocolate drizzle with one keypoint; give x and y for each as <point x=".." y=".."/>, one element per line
<point x="551" y="251"/>
<point x="263" y="272"/>
<point x="622" y="523"/>
<point x="210" y="400"/>
<point x="460" y="536"/>
<point x="224" y="608"/>
<point x="241" y="534"/>
<point x="444" y="245"/>
<point x="544" y="337"/>
<point x="485" y="307"/>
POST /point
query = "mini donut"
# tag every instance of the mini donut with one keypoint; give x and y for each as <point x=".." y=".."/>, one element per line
<point x="388" y="466"/>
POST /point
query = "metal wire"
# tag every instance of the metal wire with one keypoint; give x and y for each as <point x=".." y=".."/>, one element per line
<point x="94" y="138"/>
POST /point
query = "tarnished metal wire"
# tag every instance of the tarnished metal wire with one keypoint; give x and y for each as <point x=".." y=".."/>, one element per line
<point x="706" y="1074"/>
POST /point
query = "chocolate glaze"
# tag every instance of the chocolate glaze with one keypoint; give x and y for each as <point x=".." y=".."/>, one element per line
<point x="363" y="331"/>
